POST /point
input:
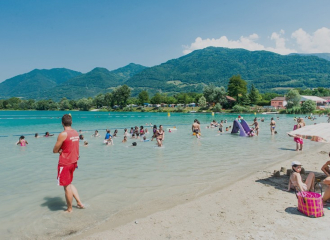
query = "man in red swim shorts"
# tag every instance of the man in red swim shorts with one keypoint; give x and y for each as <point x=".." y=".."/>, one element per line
<point x="67" y="146"/>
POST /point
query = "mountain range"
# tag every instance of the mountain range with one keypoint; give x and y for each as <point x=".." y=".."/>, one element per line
<point x="268" y="71"/>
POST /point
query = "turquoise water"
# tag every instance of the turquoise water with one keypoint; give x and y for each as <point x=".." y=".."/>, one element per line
<point x="119" y="179"/>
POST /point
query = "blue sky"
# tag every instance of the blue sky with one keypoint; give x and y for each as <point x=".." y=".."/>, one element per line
<point x="81" y="35"/>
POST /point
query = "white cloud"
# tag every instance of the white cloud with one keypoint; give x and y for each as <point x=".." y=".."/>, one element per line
<point x="318" y="42"/>
<point x="280" y="44"/>
<point x="248" y="43"/>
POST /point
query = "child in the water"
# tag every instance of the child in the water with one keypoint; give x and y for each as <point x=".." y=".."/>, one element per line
<point x="22" y="141"/>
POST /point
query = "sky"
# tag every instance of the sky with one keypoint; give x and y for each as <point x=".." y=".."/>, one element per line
<point x="84" y="34"/>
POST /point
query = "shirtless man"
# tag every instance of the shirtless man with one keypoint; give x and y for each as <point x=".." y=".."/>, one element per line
<point x="256" y="126"/>
<point x="221" y="126"/>
<point x="67" y="146"/>
<point x="196" y="128"/>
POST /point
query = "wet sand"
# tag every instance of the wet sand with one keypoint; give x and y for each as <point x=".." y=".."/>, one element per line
<point x="255" y="207"/>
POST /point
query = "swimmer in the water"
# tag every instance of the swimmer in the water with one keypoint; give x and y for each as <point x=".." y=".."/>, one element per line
<point x="115" y="133"/>
<point x="131" y="131"/>
<point x="256" y="126"/>
<point x="134" y="144"/>
<point x="36" y="135"/>
<point x="142" y="131"/>
<point x="227" y="129"/>
<point x="109" y="141"/>
<point x="160" y="136"/>
<point x="48" y="135"/>
<point x="125" y="139"/>
<point x="146" y="131"/>
<point x="251" y="133"/>
<point x="169" y="130"/>
<point x="96" y="134"/>
<point x="272" y="126"/>
<point x="125" y="132"/>
<point x="133" y="135"/>
<point x="81" y="137"/>
<point x="196" y="128"/>
<point x="22" y="141"/>
<point x="220" y="126"/>
<point x="85" y="143"/>
<point x="154" y="130"/>
<point x="145" y="139"/>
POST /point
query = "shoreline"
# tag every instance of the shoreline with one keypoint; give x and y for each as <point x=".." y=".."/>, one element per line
<point x="223" y="213"/>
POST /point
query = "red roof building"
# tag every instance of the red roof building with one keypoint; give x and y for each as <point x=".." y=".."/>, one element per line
<point x="278" y="103"/>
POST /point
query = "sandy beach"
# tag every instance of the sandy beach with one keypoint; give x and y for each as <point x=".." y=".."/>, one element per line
<point x="255" y="207"/>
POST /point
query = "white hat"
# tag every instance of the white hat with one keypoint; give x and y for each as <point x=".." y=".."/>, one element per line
<point x="296" y="163"/>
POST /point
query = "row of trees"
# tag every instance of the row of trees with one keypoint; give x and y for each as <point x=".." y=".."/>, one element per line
<point x="212" y="96"/>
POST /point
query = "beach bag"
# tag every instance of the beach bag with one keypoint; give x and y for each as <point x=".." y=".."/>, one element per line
<point x="310" y="204"/>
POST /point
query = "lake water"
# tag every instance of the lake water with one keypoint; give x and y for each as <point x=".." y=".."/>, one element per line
<point x="121" y="181"/>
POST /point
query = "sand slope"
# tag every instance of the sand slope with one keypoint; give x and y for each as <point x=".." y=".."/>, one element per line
<point x="253" y="208"/>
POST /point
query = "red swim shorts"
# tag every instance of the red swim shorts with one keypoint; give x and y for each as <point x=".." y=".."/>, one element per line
<point x="65" y="174"/>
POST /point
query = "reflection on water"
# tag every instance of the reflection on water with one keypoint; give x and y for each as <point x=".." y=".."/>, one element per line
<point x="113" y="179"/>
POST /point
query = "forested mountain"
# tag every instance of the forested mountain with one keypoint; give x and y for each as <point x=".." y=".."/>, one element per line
<point x="58" y="83"/>
<point x="267" y="70"/>
<point x="325" y="56"/>
<point x="34" y="83"/>
<point x="99" y="80"/>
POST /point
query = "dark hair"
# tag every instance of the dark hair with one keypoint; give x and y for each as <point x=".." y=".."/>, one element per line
<point x="134" y="144"/>
<point x="155" y="126"/>
<point x="141" y="127"/>
<point x="36" y="135"/>
<point x="22" y="137"/>
<point x="293" y="166"/>
<point x="67" y="120"/>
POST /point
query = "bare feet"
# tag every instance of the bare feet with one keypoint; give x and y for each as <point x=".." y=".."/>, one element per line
<point x="80" y="206"/>
<point x="68" y="210"/>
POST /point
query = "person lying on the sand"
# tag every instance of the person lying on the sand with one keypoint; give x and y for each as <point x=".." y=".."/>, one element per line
<point x="295" y="181"/>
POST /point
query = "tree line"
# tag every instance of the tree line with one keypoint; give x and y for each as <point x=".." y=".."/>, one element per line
<point x="214" y="97"/>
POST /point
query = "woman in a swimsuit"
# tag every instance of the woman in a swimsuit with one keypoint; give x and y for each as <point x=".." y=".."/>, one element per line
<point x="256" y="126"/>
<point x="160" y="136"/>
<point x="295" y="181"/>
<point x="272" y="126"/>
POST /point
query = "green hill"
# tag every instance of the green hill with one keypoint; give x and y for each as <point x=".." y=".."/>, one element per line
<point x="99" y="80"/>
<point x="267" y="70"/>
<point x="325" y="56"/>
<point x="33" y="83"/>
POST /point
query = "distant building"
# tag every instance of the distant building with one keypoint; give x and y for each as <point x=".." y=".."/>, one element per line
<point x="278" y="103"/>
<point x="318" y="100"/>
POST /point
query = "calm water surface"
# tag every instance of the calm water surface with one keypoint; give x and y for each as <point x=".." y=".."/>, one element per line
<point x="116" y="179"/>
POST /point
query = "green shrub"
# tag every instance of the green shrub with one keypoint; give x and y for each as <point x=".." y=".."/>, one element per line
<point x="240" y="109"/>
<point x="179" y="109"/>
<point x="217" y="108"/>
<point x="293" y="110"/>
<point x="282" y="111"/>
